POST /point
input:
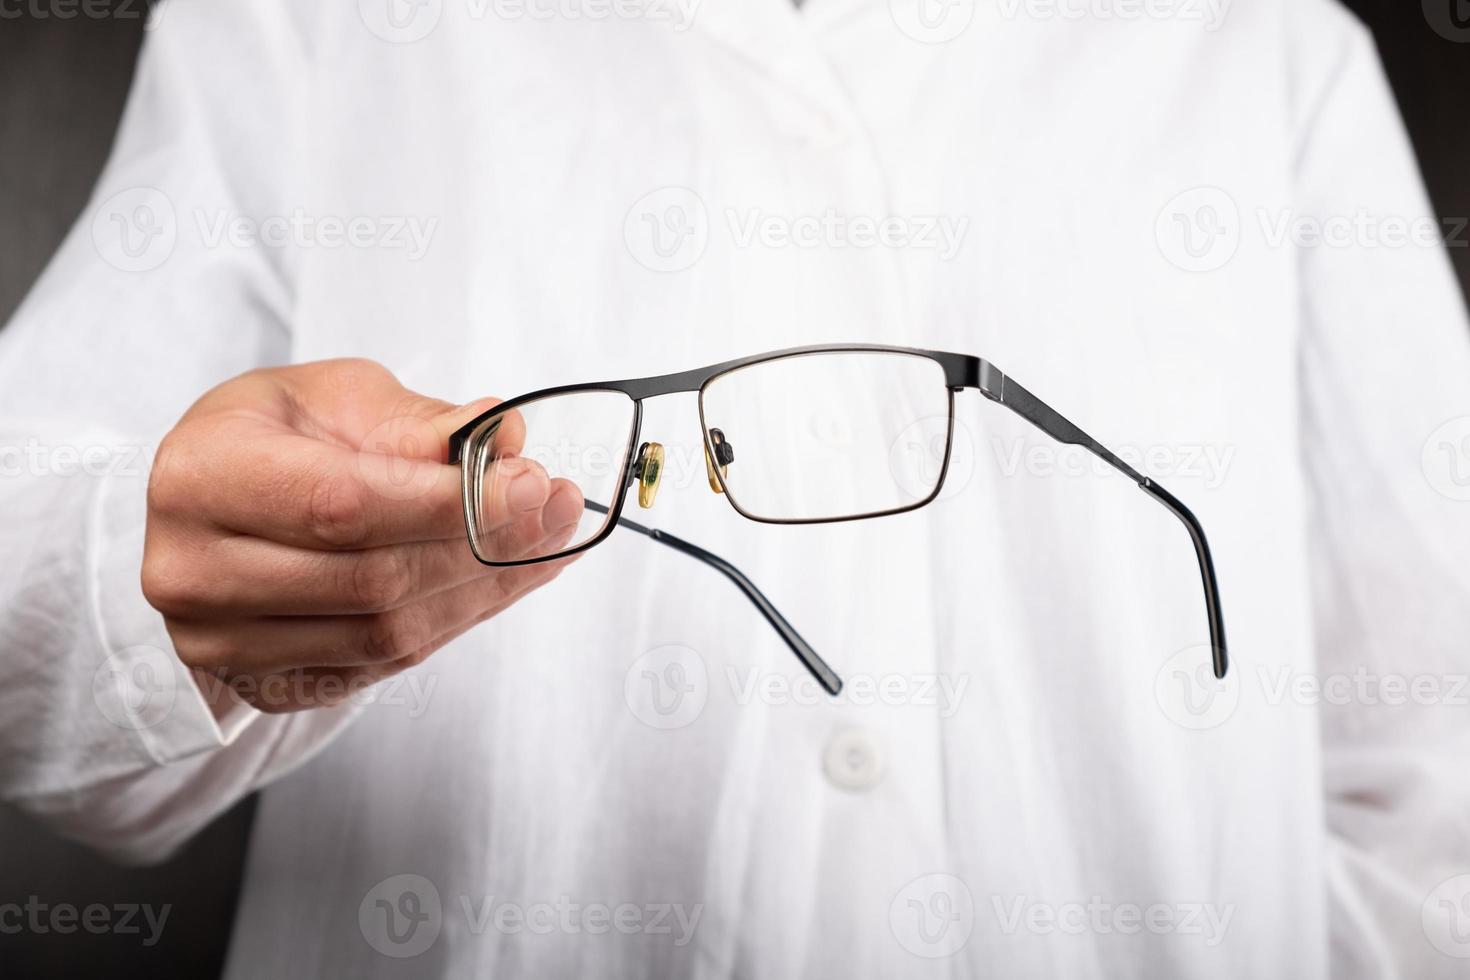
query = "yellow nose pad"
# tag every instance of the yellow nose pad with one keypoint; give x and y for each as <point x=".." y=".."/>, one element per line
<point x="722" y="448"/>
<point x="650" y="469"/>
<point x="709" y="469"/>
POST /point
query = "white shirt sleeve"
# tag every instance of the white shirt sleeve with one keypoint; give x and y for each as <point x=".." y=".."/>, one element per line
<point x="103" y="733"/>
<point x="1385" y="366"/>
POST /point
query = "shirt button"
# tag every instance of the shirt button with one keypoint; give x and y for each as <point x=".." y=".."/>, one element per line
<point x="852" y="760"/>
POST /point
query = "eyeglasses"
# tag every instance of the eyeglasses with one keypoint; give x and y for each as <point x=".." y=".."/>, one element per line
<point x="805" y="435"/>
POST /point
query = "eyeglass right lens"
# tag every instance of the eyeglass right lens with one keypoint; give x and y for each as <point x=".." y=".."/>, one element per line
<point x="530" y="471"/>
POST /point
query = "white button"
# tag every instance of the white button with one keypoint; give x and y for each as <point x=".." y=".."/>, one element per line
<point x="852" y="760"/>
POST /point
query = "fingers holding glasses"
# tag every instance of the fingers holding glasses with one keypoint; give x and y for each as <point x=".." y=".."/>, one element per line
<point x="269" y="644"/>
<point x="241" y="575"/>
<point x="522" y="512"/>
<point x="582" y="439"/>
<point x="305" y="520"/>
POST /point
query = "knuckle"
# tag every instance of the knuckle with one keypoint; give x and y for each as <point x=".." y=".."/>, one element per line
<point x="168" y="480"/>
<point x="337" y="511"/>
<point x="272" y="706"/>
<point x="350" y="377"/>
<point x="204" y="652"/>
<point x="392" y="636"/>
<point x="415" y="658"/>
<point x="361" y="368"/>
<point x="382" y="579"/>
<point x="168" y="585"/>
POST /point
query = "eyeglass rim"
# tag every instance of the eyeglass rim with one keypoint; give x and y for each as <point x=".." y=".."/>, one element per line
<point x="637" y="389"/>
<point x="960" y="371"/>
<point x="614" y="511"/>
<point x="866" y="515"/>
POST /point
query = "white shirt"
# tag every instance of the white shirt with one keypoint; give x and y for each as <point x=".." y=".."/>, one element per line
<point x="627" y="775"/>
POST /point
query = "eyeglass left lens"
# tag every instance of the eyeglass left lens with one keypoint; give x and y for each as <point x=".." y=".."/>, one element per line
<point x="828" y="435"/>
<point x="529" y="472"/>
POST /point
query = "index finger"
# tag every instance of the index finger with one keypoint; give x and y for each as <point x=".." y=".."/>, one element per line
<point x="299" y="491"/>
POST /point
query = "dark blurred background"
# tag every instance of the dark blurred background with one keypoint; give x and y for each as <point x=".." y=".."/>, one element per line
<point x="63" y="81"/>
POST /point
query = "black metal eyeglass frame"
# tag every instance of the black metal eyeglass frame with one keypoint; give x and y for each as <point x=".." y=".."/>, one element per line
<point x="961" y="371"/>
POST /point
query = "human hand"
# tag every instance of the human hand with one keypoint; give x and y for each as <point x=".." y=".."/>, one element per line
<point x="305" y="537"/>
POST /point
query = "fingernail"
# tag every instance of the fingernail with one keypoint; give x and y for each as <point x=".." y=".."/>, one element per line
<point x="527" y="491"/>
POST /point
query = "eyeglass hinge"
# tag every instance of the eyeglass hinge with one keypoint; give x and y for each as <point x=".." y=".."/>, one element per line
<point x="990" y="381"/>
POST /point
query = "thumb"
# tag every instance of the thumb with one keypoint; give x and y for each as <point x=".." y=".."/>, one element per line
<point x="367" y="408"/>
<point x="402" y="456"/>
<point x="422" y="427"/>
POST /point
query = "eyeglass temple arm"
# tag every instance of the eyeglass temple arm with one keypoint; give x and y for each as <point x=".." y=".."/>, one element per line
<point x="997" y="387"/>
<point x="815" y="665"/>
